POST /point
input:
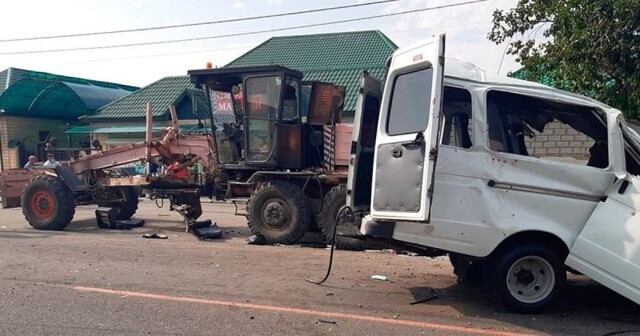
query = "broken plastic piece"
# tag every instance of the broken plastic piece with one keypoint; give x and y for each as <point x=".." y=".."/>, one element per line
<point x="256" y="240"/>
<point x="155" y="235"/>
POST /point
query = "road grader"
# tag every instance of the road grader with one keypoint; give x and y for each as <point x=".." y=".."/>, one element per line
<point x="283" y="154"/>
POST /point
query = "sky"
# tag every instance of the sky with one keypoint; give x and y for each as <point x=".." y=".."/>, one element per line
<point x="466" y="27"/>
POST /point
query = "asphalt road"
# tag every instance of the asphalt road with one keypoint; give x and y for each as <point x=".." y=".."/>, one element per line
<point x="89" y="281"/>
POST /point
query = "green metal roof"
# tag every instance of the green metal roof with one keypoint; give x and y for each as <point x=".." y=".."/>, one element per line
<point x="161" y="94"/>
<point x="337" y="58"/>
<point x="54" y="99"/>
<point x="10" y="76"/>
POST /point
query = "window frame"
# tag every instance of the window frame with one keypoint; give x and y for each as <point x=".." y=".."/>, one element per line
<point x="472" y="134"/>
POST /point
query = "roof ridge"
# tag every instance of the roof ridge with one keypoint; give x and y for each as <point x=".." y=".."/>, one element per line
<point x="327" y="34"/>
<point x="246" y="54"/>
<point x="387" y="40"/>
<point x="344" y="68"/>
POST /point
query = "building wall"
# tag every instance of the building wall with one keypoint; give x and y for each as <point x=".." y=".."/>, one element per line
<point x="559" y="140"/>
<point x="26" y="131"/>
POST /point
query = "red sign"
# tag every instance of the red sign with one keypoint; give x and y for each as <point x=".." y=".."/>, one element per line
<point x="223" y="103"/>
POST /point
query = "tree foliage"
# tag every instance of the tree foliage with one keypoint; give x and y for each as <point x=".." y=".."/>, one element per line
<point x="590" y="47"/>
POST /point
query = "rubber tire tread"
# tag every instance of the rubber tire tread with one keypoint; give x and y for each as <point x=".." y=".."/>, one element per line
<point x="503" y="261"/>
<point x="331" y="204"/>
<point x="130" y="206"/>
<point x="65" y="202"/>
<point x="301" y="212"/>
<point x="127" y="208"/>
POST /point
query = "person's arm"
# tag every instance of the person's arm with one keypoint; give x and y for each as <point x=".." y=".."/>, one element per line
<point x="179" y="166"/>
<point x="188" y="163"/>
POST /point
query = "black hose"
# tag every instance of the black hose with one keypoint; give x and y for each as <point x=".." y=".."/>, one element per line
<point x="333" y="245"/>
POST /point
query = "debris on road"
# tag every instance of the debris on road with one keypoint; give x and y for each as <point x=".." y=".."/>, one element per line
<point x="155" y="235"/>
<point x="206" y="229"/>
<point x="379" y="277"/>
<point x="422" y="300"/>
<point x="256" y="240"/>
<point x="327" y="321"/>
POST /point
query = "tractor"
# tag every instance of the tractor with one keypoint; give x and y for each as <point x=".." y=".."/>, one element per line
<point x="50" y="195"/>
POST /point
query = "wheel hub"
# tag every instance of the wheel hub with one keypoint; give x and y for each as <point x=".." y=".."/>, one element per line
<point x="531" y="279"/>
<point x="276" y="215"/>
<point x="525" y="276"/>
<point x="43" y="204"/>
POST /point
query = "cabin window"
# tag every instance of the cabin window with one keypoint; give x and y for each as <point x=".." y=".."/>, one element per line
<point x="547" y="129"/>
<point x="410" y="102"/>
<point x="456" y="108"/>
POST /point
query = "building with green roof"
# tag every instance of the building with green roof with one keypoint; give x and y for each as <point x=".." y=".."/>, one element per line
<point x="123" y="121"/>
<point x="36" y="106"/>
<point x="338" y="58"/>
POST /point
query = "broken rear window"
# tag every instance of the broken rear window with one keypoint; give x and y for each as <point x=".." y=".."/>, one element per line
<point x="547" y="129"/>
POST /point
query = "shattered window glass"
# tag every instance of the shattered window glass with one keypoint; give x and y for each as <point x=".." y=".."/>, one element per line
<point x="547" y="129"/>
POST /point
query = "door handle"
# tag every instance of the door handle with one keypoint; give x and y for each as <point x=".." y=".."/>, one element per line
<point x="396" y="152"/>
<point x="419" y="140"/>
<point x="623" y="187"/>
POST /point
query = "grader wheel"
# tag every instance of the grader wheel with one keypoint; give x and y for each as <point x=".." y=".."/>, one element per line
<point x="47" y="203"/>
<point x="279" y="212"/>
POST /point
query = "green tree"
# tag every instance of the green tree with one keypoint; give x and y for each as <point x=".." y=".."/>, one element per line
<point x="590" y="47"/>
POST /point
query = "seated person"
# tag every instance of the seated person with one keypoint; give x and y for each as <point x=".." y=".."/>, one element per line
<point x="51" y="161"/>
<point x="31" y="164"/>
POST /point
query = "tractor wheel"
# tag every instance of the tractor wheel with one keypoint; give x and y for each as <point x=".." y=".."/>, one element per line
<point x="47" y="203"/>
<point x="279" y="212"/>
<point x="528" y="278"/>
<point x="335" y="199"/>
<point x="128" y="206"/>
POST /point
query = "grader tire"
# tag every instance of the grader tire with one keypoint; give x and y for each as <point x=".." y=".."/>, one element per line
<point x="47" y="203"/>
<point x="128" y="207"/>
<point x="280" y="212"/>
<point x="331" y="204"/>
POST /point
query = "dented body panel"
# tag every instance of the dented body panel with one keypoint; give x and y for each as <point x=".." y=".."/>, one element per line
<point x="513" y="159"/>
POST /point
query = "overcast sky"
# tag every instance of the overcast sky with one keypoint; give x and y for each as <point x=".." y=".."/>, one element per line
<point x="466" y="27"/>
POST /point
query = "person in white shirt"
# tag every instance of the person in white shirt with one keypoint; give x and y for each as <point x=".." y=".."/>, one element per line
<point x="51" y="161"/>
<point x="31" y="164"/>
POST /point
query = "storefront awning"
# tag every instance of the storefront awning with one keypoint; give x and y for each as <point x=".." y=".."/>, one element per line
<point x="111" y="129"/>
<point x="32" y="97"/>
